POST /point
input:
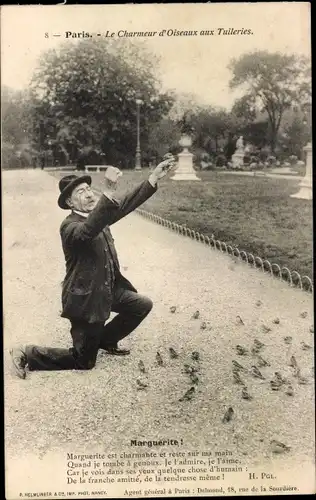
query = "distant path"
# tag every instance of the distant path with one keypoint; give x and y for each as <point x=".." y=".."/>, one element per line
<point x="80" y="411"/>
<point x="263" y="174"/>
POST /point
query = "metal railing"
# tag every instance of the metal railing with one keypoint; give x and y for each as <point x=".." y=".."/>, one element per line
<point x="283" y="273"/>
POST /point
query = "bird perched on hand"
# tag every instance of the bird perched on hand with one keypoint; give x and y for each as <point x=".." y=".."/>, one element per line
<point x="255" y="372"/>
<point x="288" y="340"/>
<point x="278" y="447"/>
<point x="262" y="362"/>
<point x="195" y="356"/>
<point x="188" y="395"/>
<point x="237" y="378"/>
<point x="245" y="394"/>
<point x="238" y="366"/>
<point x="141" y="385"/>
<point x="305" y="346"/>
<point x="228" y="415"/>
<point x="196" y="315"/>
<point x="241" y="351"/>
<point x="159" y="359"/>
<point x="173" y="309"/>
<point x="141" y="366"/>
<point x="173" y="353"/>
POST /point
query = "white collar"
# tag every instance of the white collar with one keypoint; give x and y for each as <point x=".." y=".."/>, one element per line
<point x="83" y="214"/>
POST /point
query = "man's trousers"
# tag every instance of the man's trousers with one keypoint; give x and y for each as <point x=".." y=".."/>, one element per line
<point x="88" y="338"/>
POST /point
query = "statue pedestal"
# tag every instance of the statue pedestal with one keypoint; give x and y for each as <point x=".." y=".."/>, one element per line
<point x="185" y="170"/>
<point x="306" y="184"/>
<point x="238" y="159"/>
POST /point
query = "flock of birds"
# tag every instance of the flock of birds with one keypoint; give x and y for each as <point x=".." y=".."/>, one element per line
<point x="239" y="372"/>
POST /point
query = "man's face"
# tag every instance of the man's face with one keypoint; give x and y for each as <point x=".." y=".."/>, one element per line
<point x="82" y="198"/>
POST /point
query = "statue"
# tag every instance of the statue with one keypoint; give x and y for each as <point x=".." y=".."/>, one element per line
<point x="238" y="156"/>
<point x="240" y="144"/>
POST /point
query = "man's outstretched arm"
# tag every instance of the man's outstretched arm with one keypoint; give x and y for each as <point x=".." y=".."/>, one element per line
<point x="143" y="191"/>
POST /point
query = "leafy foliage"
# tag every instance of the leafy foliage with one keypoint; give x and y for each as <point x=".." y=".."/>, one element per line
<point x="273" y="82"/>
<point x="84" y="99"/>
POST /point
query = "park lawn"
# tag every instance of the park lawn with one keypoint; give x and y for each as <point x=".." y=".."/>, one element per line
<point x="256" y="214"/>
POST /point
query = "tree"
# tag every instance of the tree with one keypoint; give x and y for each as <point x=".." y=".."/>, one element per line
<point x="16" y="136"/>
<point x="84" y="99"/>
<point x="272" y="83"/>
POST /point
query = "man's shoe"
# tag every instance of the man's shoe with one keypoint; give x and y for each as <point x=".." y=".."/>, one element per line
<point x="117" y="351"/>
<point x="19" y="361"/>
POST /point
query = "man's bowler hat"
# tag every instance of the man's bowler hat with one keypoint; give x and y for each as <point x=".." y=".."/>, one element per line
<point x="66" y="186"/>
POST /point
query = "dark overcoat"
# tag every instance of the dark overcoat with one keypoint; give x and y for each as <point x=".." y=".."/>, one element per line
<point x="87" y="293"/>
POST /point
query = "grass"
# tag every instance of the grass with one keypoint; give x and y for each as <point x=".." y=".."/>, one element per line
<point x="256" y="214"/>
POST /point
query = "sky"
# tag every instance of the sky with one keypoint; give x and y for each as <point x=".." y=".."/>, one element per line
<point x="189" y="64"/>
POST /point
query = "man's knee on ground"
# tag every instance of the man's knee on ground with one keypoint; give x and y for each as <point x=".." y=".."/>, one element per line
<point x="85" y="365"/>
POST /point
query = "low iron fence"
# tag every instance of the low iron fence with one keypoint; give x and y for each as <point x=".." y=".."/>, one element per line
<point x="294" y="278"/>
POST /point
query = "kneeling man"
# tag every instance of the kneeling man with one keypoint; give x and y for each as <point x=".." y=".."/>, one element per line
<point x="93" y="285"/>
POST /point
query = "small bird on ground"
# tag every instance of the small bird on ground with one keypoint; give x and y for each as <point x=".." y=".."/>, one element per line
<point x="173" y="309"/>
<point x="237" y="378"/>
<point x="228" y="415"/>
<point x="305" y="346"/>
<point x="258" y="344"/>
<point x="239" y="320"/>
<point x="303" y="314"/>
<point x="188" y="395"/>
<point x="302" y="380"/>
<point x="203" y="325"/>
<point x="278" y="447"/>
<point x="245" y="394"/>
<point x="195" y="356"/>
<point x="288" y="340"/>
<point x="241" y="351"/>
<point x="279" y="378"/>
<point x="194" y="378"/>
<point x="141" y="366"/>
<point x="311" y="329"/>
<point x="238" y="366"/>
<point x="255" y="372"/>
<point x="141" y="385"/>
<point x="297" y="372"/>
<point x="266" y="328"/>
<point x="159" y="359"/>
<point x="289" y="391"/>
<point x="276" y="321"/>
<point x="275" y="385"/>
<point x="173" y="353"/>
<point x="196" y="315"/>
<point x="293" y="362"/>
<point x="262" y="362"/>
<point x="190" y="369"/>
<point x="258" y="303"/>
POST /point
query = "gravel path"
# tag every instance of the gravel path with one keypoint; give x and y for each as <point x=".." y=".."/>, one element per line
<point x="81" y="411"/>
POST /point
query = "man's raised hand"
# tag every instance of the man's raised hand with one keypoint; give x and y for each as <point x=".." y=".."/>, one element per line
<point x="165" y="166"/>
<point x="111" y="177"/>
